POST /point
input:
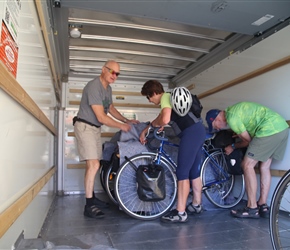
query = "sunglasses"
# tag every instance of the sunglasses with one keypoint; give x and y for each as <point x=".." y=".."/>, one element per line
<point x="148" y="97"/>
<point x="113" y="72"/>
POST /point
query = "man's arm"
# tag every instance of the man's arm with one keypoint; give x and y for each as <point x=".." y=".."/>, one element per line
<point x="108" y="121"/>
<point x="116" y="114"/>
<point x="245" y="140"/>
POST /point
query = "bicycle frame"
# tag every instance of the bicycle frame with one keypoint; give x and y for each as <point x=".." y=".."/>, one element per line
<point x="162" y="153"/>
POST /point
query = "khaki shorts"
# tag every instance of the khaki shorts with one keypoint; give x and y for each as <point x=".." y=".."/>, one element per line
<point x="89" y="141"/>
<point x="273" y="146"/>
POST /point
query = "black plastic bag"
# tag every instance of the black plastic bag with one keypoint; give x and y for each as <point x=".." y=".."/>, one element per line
<point x="223" y="138"/>
<point x="234" y="162"/>
<point x="151" y="182"/>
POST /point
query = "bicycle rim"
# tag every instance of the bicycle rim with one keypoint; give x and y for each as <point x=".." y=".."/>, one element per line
<point x="280" y="214"/>
<point x="221" y="188"/>
<point x="126" y="189"/>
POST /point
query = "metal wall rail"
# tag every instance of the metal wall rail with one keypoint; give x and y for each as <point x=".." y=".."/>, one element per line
<point x="10" y="215"/>
<point x="9" y="84"/>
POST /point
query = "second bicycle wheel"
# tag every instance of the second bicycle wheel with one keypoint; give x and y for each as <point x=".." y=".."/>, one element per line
<point x="126" y="189"/>
<point x="107" y="175"/>
<point x="221" y="188"/>
<point x="280" y="214"/>
<point x="104" y="165"/>
<point x="108" y="178"/>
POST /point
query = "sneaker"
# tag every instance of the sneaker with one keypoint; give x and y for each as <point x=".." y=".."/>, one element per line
<point x="191" y="209"/>
<point x="173" y="216"/>
<point x="99" y="203"/>
<point x="93" y="212"/>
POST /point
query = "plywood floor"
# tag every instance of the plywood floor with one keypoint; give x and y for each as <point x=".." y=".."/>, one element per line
<point x="67" y="228"/>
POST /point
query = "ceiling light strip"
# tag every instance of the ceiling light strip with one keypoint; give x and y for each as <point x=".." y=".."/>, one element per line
<point x="143" y="27"/>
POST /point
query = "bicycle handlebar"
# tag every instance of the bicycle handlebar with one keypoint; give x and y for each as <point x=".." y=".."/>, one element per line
<point x="159" y="135"/>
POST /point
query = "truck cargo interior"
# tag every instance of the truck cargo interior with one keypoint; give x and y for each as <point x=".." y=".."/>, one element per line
<point x="223" y="51"/>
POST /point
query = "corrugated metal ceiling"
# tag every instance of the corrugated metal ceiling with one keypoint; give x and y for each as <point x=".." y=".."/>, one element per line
<point x="170" y="41"/>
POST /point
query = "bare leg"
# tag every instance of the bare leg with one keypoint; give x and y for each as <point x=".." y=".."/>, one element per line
<point x="251" y="187"/>
<point x="182" y="194"/>
<point x="265" y="181"/>
<point x="248" y="165"/>
<point x="196" y="189"/>
<point x="92" y="167"/>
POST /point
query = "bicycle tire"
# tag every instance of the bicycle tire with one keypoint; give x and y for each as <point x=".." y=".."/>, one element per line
<point x="108" y="178"/>
<point x="102" y="173"/>
<point x="221" y="188"/>
<point x="126" y="189"/>
<point x="279" y="214"/>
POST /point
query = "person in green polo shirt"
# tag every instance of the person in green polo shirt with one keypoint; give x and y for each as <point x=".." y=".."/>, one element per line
<point x="265" y="134"/>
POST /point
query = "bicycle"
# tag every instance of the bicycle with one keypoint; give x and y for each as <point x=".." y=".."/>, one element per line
<point x="279" y="221"/>
<point x="218" y="184"/>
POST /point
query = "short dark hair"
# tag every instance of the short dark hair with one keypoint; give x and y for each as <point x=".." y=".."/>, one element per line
<point x="152" y="86"/>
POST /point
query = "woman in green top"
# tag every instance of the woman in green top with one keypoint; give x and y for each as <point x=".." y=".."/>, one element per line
<point x="265" y="133"/>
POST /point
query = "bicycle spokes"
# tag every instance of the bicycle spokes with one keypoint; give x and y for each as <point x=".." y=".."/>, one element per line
<point x="221" y="188"/>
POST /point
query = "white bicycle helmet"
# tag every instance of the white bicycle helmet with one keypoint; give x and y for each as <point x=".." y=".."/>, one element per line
<point x="181" y="100"/>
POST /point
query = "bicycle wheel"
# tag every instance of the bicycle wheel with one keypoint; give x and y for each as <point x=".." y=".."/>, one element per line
<point x="126" y="189"/>
<point x="103" y="168"/>
<point x="280" y="214"/>
<point x="108" y="178"/>
<point x="221" y="188"/>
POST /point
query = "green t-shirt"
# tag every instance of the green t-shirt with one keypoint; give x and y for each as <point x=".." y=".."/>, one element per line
<point x="165" y="101"/>
<point x="258" y="120"/>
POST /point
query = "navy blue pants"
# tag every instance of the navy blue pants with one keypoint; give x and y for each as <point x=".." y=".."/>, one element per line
<point x="190" y="153"/>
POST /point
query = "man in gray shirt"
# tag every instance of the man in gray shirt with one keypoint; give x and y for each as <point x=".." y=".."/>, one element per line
<point x="96" y="103"/>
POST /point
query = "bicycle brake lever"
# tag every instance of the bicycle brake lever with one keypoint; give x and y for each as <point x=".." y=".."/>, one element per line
<point x="148" y="131"/>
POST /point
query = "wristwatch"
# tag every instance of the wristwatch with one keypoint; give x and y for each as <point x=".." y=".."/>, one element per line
<point x="233" y="146"/>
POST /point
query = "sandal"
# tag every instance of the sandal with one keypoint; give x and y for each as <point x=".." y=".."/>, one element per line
<point x="246" y="213"/>
<point x="93" y="212"/>
<point x="99" y="203"/>
<point x="264" y="210"/>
